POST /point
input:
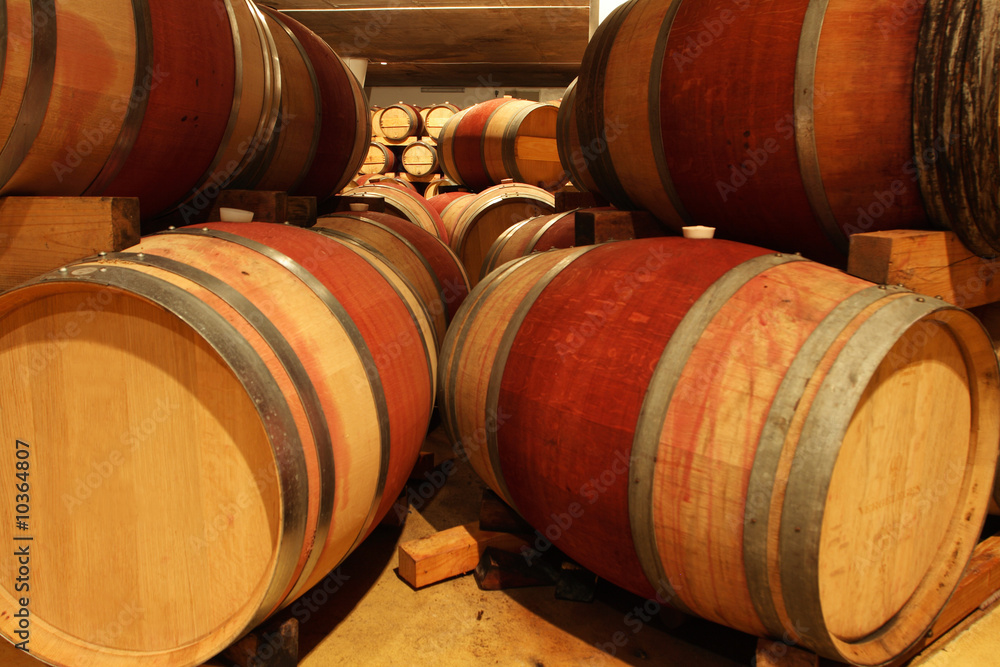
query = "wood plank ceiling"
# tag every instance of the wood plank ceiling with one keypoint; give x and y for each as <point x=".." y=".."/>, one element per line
<point x="488" y="43"/>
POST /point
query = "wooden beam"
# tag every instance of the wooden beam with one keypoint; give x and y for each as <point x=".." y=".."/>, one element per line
<point x="41" y="234"/>
<point x="450" y="553"/>
<point x="929" y="262"/>
<point x="779" y="654"/>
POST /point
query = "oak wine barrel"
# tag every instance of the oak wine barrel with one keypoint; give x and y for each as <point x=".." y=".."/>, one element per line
<point x="420" y="159"/>
<point x="379" y="160"/>
<point x="290" y="152"/>
<point x="402" y="199"/>
<point x="460" y="145"/>
<point x="483" y="218"/>
<point x="573" y="157"/>
<point x="429" y="264"/>
<point x="434" y="187"/>
<point x="821" y="132"/>
<point x="346" y="127"/>
<point x="519" y="142"/>
<point x="399" y="121"/>
<point x="247" y="398"/>
<point x="435" y="117"/>
<point x="750" y="437"/>
<point x="538" y="234"/>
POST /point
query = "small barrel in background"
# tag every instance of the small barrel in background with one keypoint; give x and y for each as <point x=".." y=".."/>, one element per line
<point x="519" y="142"/>
<point x="484" y="217"/>
<point x="420" y="159"/>
<point x="434" y="187"/>
<point x="755" y="438"/>
<point x="262" y="462"/>
<point x="435" y="117"/>
<point x="399" y="121"/>
<point x="379" y="160"/>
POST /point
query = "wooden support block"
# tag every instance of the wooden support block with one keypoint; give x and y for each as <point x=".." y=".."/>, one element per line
<point x="496" y="515"/>
<point x="301" y="211"/>
<point x="343" y="203"/>
<point x="779" y="654"/>
<point x="275" y="648"/>
<point x="600" y="226"/>
<point x="499" y="570"/>
<point x="267" y="205"/>
<point x="450" y="553"/>
<point x="41" y="234"/>
<point x="928" y="262"/>
<point x="569" y="200"/>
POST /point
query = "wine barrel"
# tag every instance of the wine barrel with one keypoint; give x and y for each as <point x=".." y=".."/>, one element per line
<point x="248" y="398"/>
<point x="435" y="117"/>
<point x="101" y="98"/>
<point x="486" y="216"/>
<point x="442" y="202"/>
<point x="292" y="149"/>
<point x="376" y="116"/>
<point x="572" y="155"/>
<point x="434" y="187"/>
<point x="543" y="232"/>
<point x="420" y="159"/>
<point x="386" y="179"/>
<point x="816" y="141"/>
<point x="346" y="128"/>
<point x="461" y="145"/>
<point x="402" y="200"/>
<point x="519" y="142"/>
<point x="751" y="437"/>
<point x="399" y="121"/>
<point x="429" y="264"/>
<point x="379" y="160"/>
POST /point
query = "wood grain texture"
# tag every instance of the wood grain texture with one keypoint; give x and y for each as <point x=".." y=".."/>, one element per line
<point x="450" y="553"/>
<point x="420" y="159"/>
<point x="402" y="199"/>
<point x="346" y="127"/>
<point x="488" y="215"/>
<point x="435" y="116"/>
<point x="40" y="234"/>
<point x="793" y="145"/>
<point x="188" y="456"/>
<point x="378" y="160"/>
<point x="461" y="142"/>
<point x="544" y="232"/>
<point x="83" y="107"/>
<point x="772" y="509"/>
<point x="400" y="120"/>
<point x="929" y="262"/>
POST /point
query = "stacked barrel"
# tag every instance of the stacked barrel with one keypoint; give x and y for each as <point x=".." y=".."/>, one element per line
<point x="404" y="144"/>
<point x="276" y="109"/>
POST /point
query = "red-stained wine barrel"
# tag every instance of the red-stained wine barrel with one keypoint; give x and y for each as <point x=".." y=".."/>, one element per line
<point x="429" y="264"/>
<point x="500" y="139"/>
<point x="796" y="141"/>
<point x="379" y="160"/>
<point x="402" y="199"/>
<point x="751" y="437"/>
<point x="572" y="155"/>
<point x="386" y="179"/>
<point x="399" y="121"/>
<point x="104" y="98"/>
<point x="346" y="127"/>
<point x="435" y="117"/>
<point x="248" y="398"/>
<point x="483" y="218"/>
<point x="544" y="232"/>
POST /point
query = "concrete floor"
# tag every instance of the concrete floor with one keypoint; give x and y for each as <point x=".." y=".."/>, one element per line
<point x="375" y="619"/>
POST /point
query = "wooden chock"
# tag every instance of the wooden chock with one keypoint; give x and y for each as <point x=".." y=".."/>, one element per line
<point x="267" y="205"/>
<point x="41" y="234"/>
<point x="929" y="262"/>
<point x="450" y="553"/>
<point x="261" y="648"/>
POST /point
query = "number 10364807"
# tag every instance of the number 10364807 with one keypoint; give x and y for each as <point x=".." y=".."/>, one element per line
<point x="22" y="485"/>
